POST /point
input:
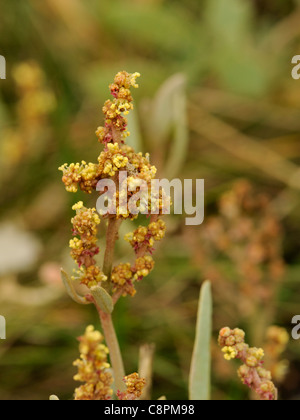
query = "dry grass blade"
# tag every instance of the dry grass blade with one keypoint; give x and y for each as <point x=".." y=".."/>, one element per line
<point x="245" y="148"/>
<point x="249" y="110"/>
<point x="179" y="150"/>
<point x="146" y="368"/>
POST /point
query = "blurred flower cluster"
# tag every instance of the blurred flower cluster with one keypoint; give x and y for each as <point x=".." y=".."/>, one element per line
<point x="93" y="368"/>
<point x="241" y="251"/>
<point x="249" y="235"/>
<point x="34" y="105"/>
<point x="134" y="387"/>
<point x="251" y="372"/>
<point x="242" y="254"/>
<point x="94" y="371"/>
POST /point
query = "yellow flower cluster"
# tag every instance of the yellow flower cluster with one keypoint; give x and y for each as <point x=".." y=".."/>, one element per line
<point x="251" y="372"/>
<point x="143" y="266"/>
<point x="119" y="106"/>
<point x="229" y="352"/>
<point x="84" y="225"/>
<point x="254" y="357"/>
<point x="147" y="236"/>
<point x="122" y="279"/>
<point x="71" y="176"/>
<point x="134" y="385"/>
<point x="112" y="109"/>
<point x="83" y="250"/>
<point x="123" y="82"/>
<point x="157" y="230"/>
<point x="111" y="160"/>
<point x="93" y="368"/>
<point x="91" y="276"/>
<point x="116" y="157"/>
<point x="123" y="79"/>
<point x="261" y="382"/>
<point x="86" y="221"/>
<point x="140" y="164"/>
<point x="124" y="275"/>
<point x="245" y="371"/>
<point x="79" y="174"/>
<point x="139" y="236"/>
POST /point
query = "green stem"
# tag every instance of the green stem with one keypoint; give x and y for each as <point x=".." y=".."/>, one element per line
<point x="106" y="319"/>
<point x="111" y="237"/>
<point x="114" y="350"/>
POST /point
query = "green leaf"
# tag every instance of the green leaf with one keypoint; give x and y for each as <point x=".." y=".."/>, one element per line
<point x="162" y="118"/>
<point x="200" y="375"/>
<point x="230" y="25"/>
<point x="180" y="142"/>
<point x="230" y="21"/>
<point x="103" y="299"/>
<point x="71" y="289"/>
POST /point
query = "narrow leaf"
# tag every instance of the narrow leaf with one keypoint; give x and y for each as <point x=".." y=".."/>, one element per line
<point x="200" y="375"/>
<point x="180" y="141"/>
<point x="162" y="118"/>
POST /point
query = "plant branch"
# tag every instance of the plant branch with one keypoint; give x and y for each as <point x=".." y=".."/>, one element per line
<point x="114" y="349"/>
<point x="106" y="319"/>
<point x="146" y="368"/>
<point x="111" y="237"/>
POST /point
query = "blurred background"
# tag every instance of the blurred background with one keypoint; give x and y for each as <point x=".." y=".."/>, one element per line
<point x="216" y="101"/>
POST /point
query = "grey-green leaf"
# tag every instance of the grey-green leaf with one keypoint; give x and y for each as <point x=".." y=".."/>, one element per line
<point x="180" y="142"/>
<point x="71" y="289"/>
<point x="103" y="299"/>
<point x="200" y="375"/>
<point x="162" y="119"/>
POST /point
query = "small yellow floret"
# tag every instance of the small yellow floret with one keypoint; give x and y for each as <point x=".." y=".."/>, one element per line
<point x="229" y="353"/>
<point x="78" y="206"/>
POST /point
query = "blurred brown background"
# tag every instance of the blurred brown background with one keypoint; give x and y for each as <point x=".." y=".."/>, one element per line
<point x="226" y="65"/>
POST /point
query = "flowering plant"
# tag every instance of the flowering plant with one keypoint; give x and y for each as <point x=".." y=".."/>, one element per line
<point x="105" y="285"/>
